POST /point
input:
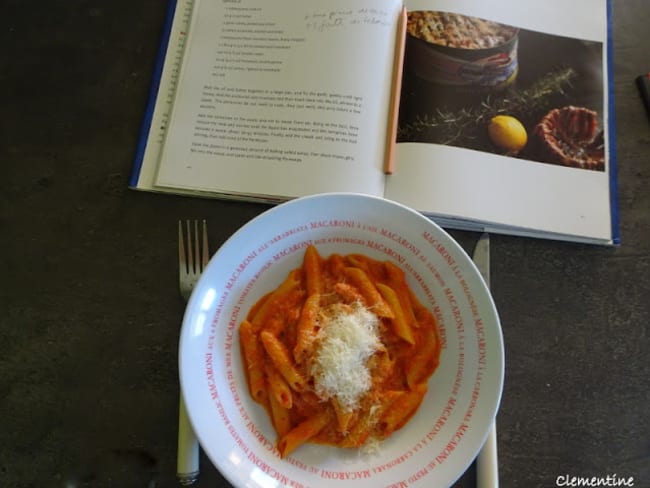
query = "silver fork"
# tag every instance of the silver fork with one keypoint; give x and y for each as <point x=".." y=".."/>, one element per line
<point x="192" y="260"/>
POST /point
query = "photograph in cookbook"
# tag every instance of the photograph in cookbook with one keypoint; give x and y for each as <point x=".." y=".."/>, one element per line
<point x="488" y="86"/>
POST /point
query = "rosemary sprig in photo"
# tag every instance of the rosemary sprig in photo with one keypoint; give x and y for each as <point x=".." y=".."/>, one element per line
<point x="460" y="127"/>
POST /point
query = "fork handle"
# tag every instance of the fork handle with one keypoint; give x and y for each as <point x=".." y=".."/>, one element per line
<point x="187" y="463"/>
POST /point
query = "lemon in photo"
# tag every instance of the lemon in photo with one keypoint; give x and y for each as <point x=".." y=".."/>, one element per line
<point x="508" y="134"/>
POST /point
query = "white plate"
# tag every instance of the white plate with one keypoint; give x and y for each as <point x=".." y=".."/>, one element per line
<point x="444" y="436"/>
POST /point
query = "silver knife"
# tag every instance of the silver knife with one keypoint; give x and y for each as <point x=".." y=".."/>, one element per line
<point x="487" y="463"/>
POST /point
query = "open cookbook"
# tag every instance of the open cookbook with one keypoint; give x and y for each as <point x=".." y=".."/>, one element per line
<point x="490" y="116"/>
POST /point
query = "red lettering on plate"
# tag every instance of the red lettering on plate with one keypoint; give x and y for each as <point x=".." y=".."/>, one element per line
<point x="442" y="419"/>
<point x="401" y="240"/>
<point x="452" y="444"/>
<point x="345" y="475"/>
<point x="392" y="463"/>
<point x="418" y="475"/>
<point x="440" y="248"/>
<point x="399" y="484"/>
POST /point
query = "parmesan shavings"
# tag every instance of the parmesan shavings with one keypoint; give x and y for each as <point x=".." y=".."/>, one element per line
<point x="347" y="338"/>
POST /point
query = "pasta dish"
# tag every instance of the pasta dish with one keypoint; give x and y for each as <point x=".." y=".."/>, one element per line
<point x="340" y="352"/>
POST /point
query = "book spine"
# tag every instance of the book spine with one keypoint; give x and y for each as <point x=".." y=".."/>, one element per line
<point x="613" y="170"/>
<point x="153" y="93"/>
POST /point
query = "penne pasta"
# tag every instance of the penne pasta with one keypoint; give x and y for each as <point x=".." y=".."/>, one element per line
<point x="336" y="264"/>
<point x="274" y="325"/>
<point x="280" y="416"/>
<point x="357" y="261"/>
<point x="279" y="355"/>
<point x="312" y="268"/>
<point x="265" y="311"/>
<point x="253" y="355"/>
<point x="401" y="409"/>
<point x="425" y="360"/>
<point x="383" y="367"/>
<point x="278" y="388"/>
<point x="397" y="282"/>
<point x="307" y="328"/>
<point x="348" y="293"/>
<point x="340" y="352"/>
<point x="259" y="304"/>
<point x="303" y="432"/>
<point x="401" y="326"/>
<point x="344" y="417"/>
<point x="359" y="433"/>
<point x="368" y="291"/>
<point x="364" y="428"/>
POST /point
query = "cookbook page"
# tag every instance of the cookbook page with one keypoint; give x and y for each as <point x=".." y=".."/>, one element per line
<point x="546" y="162"/>
<point x="282" y="98"/>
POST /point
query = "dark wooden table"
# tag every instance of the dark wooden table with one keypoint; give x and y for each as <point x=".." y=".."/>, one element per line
<point x="90" y="310"/>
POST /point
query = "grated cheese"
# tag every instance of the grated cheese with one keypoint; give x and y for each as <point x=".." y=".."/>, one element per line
<point x="346" y="340"/>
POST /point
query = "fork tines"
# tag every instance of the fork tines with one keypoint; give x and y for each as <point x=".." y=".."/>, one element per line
<point x="195" y="254"/>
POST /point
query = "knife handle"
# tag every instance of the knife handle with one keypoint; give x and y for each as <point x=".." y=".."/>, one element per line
<point x="487" y="464"/>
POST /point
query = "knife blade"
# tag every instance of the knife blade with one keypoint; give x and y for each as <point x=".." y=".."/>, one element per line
<point x="487" y="463"/>
<point x="481" y="257"/>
